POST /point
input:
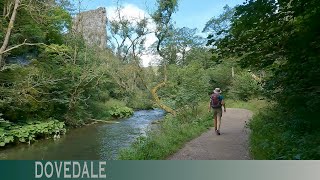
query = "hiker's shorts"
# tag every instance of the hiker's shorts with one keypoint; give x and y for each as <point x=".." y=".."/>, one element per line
<point x="217" y="112"/>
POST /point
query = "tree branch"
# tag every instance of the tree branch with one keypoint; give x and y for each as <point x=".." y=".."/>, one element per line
<point x="9" y="29"/>
<point x="22" y="44"/>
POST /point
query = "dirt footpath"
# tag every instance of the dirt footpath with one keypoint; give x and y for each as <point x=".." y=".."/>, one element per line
<point x="232" y="144"/>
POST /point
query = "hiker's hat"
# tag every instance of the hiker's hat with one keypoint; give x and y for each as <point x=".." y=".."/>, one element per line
<point x="217" y="90"/>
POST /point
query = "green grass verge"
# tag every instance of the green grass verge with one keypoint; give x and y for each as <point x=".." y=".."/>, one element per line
<point x="171" y="134"/>
<point x="254" y="105"/>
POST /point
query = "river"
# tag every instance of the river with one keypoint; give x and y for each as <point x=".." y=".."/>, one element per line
<point x="94" y="142"/>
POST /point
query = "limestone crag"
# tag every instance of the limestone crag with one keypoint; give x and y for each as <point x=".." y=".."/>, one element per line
<point x="92" y="26"/>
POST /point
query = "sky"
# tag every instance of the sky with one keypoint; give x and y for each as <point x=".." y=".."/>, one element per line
<point x="191" y="13"/>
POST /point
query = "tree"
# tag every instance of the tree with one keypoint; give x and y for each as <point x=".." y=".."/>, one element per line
<point x="218" y="26"/>
<point x="179" y="43"/>
<point x="7" y="7"/>
<point x="162" y="18"/>
<point x="200" y="55"/>
<point x="28" y="26"/>
<point x="55" y="83"/>
<point x="127" y="36"/>
<point x="281" y="37"/>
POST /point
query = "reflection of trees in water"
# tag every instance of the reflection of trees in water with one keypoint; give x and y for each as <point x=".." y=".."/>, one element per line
<point x="97" y="141"/>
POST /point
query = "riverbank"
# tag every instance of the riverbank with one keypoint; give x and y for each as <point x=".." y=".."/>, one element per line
<point x="15" y="133"/>
<point x="171" y="134"/>
<point x="12" y="134"/>
<point x="174" y="132"/>
<point x="99" y="141"/>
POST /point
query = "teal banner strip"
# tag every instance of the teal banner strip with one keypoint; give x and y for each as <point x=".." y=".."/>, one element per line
<point x="161" y="170"/>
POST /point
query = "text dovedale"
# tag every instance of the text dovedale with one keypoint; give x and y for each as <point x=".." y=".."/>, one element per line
<point x="70" y="169"/>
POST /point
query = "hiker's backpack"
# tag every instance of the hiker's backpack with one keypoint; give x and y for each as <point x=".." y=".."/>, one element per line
<point x="215" y="101"/>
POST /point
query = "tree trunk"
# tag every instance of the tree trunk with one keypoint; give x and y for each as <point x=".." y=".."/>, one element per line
<point x="157" y="99"/>
<point x="158" y="86"/>
<point x="8" y="33"/>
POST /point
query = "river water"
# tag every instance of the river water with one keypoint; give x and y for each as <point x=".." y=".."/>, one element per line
<point x="94" y="142"/>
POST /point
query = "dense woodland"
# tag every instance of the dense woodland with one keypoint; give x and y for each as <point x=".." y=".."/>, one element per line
<point x="261" y="52"/>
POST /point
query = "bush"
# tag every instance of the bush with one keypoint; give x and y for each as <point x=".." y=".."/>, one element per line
<point x="120" y="112"/>
<point x="140" y="100"/>
<point x="111" y="109"/>
<point x="22" y="133"/>
<point x="244" y="87"/>
<point x="188" y="86"/>
<point x="279" y="135"/>
<point x="220" y="76"/>
<point x="114" y="102"/>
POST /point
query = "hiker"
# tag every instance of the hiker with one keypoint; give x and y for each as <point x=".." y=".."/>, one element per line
<point x="216" y="103"/>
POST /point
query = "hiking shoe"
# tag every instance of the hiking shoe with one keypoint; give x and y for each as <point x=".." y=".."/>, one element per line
<point x="218" y="132"/>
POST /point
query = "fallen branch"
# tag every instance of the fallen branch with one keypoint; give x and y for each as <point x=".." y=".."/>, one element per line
<point x="105" y="121"/>
<point x="157" y="99"/>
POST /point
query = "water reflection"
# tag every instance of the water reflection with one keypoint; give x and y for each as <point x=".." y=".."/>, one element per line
<point x="98" y="141"/>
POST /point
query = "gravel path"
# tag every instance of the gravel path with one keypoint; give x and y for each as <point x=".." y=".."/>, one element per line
<point x="232" y="144"/>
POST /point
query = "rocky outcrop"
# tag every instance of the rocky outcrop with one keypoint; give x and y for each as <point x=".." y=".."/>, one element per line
<point x="92" y="26"/>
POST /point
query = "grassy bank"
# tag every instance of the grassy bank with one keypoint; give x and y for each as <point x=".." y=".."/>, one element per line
<point x="172" y="134"/>
<point x="254" y="105"/>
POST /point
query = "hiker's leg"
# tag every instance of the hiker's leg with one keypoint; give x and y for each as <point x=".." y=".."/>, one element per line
<point x="215" y="119"/>
<point x="219" y="115"/>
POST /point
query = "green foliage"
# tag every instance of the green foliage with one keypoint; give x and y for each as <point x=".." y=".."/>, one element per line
<point x="220" y="76"/>
<point x="171" y="134"/>
<point x="120" y="112"/>
<point x="34" y="26"/>
<point x="290" y="54"/>
<point x="163" y="20"/>
<point x="114" y="102"/>
<point x="64" y="79"/>
<point x="67" y="82"/>
<point x="123" y="31"/>
<point x="218" y="26"/>
<point x="25" y="133"/>
<point x="140" y="100"/>
<point x="279" y="135"/>
<point x="61" y="77"/>
<point x="254" y="105"/>
<point x="178" y="45"/>
<point x="200" y="55"/>
<point x="117" y="109"/>
<point x="188" y="86"/>
<point x="280" y="38"/>
<point x="244" y="87"/>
